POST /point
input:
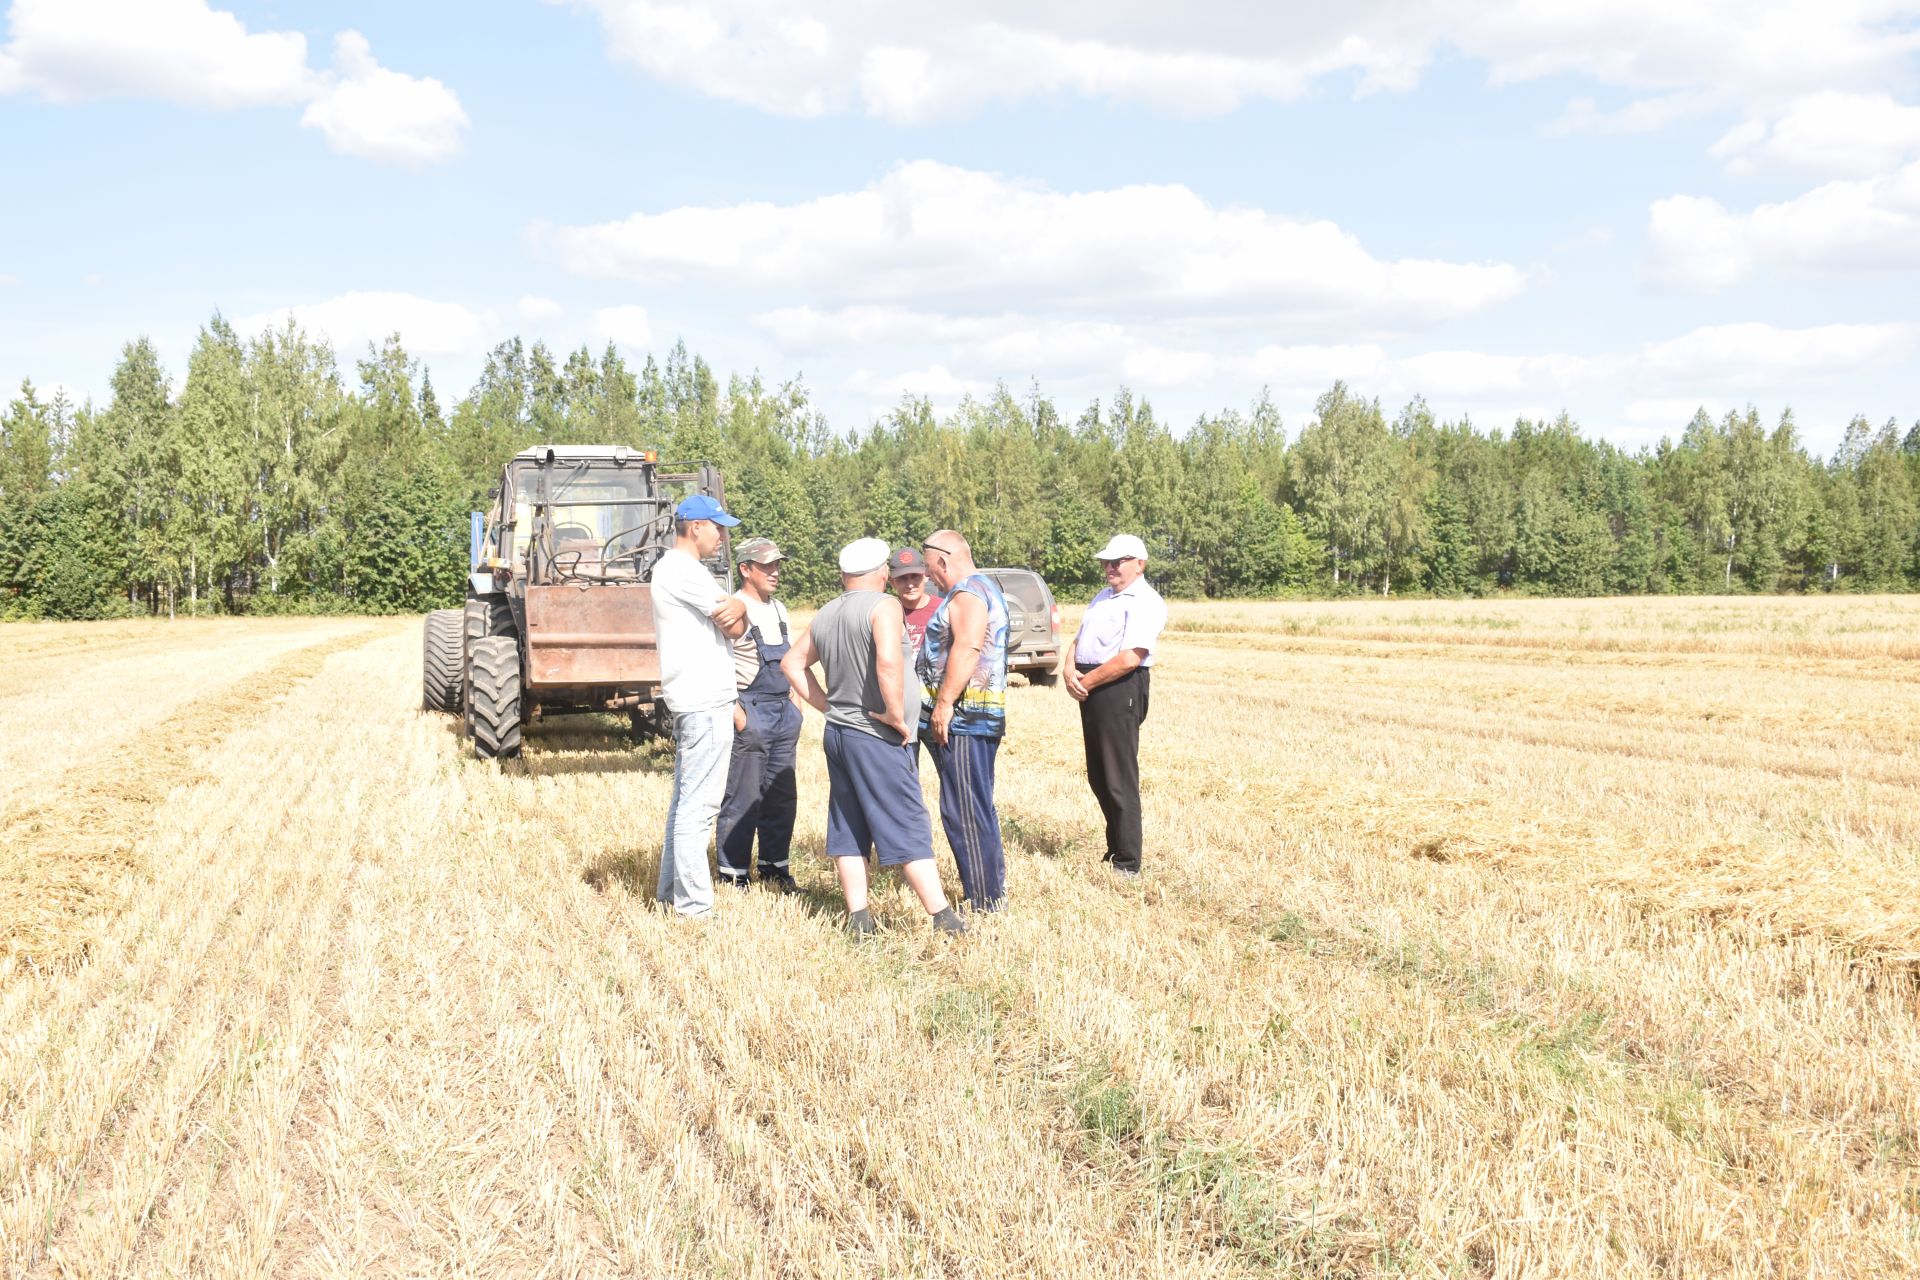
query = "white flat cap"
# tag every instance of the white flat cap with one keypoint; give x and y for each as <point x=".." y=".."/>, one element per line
<point x="863" y="555"/>
<point x="1121" y="547"/>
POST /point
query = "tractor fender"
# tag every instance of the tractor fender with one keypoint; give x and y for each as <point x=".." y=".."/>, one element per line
<point x="481" y="581"/>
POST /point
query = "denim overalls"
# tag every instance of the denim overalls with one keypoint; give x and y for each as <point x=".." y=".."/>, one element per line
<point x="761" y="795"/>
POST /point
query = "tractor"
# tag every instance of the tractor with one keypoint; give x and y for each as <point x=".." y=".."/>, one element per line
<point x="559" y="612"/>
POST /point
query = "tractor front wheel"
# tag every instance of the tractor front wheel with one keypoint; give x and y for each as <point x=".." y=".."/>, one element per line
<point x="493" y="705"/>
<point x="440" y="661"/>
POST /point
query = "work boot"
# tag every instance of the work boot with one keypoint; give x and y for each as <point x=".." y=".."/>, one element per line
<point x="779" y="882"/>
<point x="946" y="920"/>
<point x="860" y="924"/>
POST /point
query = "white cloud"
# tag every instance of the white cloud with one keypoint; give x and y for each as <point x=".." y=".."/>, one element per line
<point x="1833" y="133"/>
<point x="179" y="51"/>
<point x="1737" y="355"/>
<point x="1672" y="414"/>
<point x="189" y="53"/>
<point x="626" y="326"/>
<point x="960" y="239"/>
<point x="804" y="330"/>
<point x="1644" y="115"/>
<point x="917" y="59"/>
<point x="533" y="307"/>
<point x="353" y="320"/>
<point x="1694" y="242"/>
<point x="1715" y="365"/>
<point x="1480" y="373"/>
<point x="367" y="110"/>
<point x="937" y="383"/>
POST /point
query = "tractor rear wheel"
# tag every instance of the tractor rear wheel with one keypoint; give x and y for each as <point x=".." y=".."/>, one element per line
<point x="440" y="661"/>
<point x="493" y="704"/>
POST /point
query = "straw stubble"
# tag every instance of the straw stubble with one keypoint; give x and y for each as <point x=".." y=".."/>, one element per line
<point x="1518" y="938"/>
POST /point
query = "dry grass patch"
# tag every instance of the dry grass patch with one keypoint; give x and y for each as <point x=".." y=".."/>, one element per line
<point x="73" y="857"/>
<point x="1577" y="955"/>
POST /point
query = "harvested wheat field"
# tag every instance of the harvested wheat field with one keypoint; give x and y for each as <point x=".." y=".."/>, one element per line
<point x="1503" y="939"/>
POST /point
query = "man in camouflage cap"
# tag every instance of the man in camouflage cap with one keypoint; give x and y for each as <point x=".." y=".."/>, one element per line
<point x="761" y="791"/>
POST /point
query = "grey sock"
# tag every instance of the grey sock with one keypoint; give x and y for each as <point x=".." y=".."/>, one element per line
<point x="947" y="922"/>
<point x="860" y="923"/>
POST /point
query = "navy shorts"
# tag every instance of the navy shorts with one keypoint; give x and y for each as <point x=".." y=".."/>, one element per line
<point x="873" y="801"/>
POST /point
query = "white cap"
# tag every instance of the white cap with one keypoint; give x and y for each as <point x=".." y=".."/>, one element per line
<point x="1121" y="547"/>
<point x="863" y="555"/>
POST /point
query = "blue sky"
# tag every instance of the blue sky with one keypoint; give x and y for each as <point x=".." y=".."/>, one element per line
<point x="1623" y="211"/>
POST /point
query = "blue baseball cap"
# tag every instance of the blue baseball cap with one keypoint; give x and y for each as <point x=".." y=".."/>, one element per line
<point x="701" y="507"/>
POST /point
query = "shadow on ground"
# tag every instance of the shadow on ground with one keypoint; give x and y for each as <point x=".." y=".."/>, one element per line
<point x="636" y="872"/>
<point x="572" y="744"/>
<point x="1046" y="836"/>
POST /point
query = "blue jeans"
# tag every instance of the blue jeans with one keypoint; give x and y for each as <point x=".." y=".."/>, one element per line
<point x="702" y="742"/>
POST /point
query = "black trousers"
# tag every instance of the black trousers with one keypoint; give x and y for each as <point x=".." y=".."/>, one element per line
<point x="1110" y="721"/>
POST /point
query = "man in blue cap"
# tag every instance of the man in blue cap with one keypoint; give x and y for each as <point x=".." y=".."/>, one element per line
<point x="696" y="622"/>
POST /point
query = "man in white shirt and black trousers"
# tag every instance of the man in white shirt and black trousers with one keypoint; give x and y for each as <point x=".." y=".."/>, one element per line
<point x="1108" y="670"/>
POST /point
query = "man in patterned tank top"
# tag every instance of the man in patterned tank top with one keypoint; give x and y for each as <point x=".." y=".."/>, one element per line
<point x="963" y="660"/>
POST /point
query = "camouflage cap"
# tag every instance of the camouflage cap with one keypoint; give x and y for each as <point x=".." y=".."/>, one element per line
<point x="758" y="551"/>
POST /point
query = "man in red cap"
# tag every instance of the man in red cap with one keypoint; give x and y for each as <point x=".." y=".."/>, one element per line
<point x="907" y="575"/>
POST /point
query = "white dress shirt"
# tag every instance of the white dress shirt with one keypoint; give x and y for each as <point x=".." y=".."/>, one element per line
<point x="1131" y="618"/>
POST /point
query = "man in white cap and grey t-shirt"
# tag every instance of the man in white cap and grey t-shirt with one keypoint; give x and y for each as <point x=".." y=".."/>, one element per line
<point x="1108" y="671"/>
<point x="859" y="639"/>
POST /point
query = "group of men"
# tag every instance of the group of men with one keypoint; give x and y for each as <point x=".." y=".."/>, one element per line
<point x="893" y="672"/>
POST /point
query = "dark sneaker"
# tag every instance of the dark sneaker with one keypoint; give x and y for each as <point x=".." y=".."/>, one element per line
<point x="860" y="924"/>
<point x="946" y="920"/>
<point x="779" y="884"/>
<point x="739" y="882"/>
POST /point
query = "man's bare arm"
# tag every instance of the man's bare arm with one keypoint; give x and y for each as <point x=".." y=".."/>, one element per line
<point x="730" y="615"/>
<point x="968" y="614"/>
<point x="1070" y="678"/>
<point x="1115" y="668"/>
<point x="889" y="667"/>
<point x="797" y="667"/>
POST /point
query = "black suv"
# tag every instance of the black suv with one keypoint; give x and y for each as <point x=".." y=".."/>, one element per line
<point x="1033" y="624"/>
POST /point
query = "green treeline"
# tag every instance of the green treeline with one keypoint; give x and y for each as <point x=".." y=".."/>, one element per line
<point x="266" y="480"/>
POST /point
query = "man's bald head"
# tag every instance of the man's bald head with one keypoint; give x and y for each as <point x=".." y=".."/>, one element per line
<point x="949" y="558"/>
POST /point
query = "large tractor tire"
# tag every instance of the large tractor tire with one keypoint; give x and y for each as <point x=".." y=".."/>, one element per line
<point x="441" y="661"/>
<point x="493" y="704"/>
<point x="484" y="616"/>
<point x="488" y="616"/>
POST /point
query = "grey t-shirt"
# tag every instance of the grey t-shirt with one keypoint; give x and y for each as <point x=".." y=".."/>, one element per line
<point x="843" y="636"/>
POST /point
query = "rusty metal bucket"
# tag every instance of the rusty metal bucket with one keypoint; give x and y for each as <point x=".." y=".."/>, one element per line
<point x="591" y="634"/>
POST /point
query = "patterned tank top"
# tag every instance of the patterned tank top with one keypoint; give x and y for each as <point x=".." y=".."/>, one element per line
<point x="981" y="710"/>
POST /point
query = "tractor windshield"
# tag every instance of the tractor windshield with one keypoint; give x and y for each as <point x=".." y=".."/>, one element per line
<point x="601" y="521"/>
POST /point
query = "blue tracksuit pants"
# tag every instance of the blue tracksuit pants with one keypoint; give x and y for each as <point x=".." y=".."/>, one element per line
<point x="965" y="766"/>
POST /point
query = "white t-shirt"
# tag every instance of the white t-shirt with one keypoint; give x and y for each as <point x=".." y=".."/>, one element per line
<point x="696" y="659"/>
<point x="766" y="615"/>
